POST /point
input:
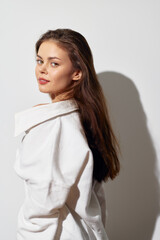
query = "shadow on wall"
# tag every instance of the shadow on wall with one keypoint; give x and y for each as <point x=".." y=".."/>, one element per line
<point x="131" y="198"/>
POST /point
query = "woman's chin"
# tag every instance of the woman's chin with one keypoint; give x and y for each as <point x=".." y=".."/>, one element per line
<point x="43" y="89"/>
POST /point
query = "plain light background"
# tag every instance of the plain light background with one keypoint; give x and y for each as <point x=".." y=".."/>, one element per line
<point x="124" y="37"/>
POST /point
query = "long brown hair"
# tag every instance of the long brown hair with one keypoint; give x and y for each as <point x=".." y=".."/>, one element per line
<point x="91" y="101"/>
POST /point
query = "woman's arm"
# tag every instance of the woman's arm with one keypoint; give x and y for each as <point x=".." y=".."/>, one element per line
<point x="53" y="157"/>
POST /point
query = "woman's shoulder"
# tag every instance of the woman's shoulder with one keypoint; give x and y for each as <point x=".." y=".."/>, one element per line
<point x="39" y="104"/>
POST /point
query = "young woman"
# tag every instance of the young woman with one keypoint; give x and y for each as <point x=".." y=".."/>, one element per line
<point x="68" y="148"/>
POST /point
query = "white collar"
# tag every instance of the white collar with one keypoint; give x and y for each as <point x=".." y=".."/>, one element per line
<point x="30" y="117"/>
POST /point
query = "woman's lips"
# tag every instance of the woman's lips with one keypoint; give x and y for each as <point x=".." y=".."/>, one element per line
<point x="42" y="81"/>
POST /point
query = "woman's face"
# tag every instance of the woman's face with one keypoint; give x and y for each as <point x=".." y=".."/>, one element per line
<point x="54" y="65"/>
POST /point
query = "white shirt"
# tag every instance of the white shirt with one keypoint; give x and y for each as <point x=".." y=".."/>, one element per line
<point x="56" y="164"/>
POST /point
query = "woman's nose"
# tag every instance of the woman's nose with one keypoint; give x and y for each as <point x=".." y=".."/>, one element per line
<point x="43" y="68"/>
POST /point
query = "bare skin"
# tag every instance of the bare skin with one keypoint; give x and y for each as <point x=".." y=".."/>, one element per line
<point x="59" y="71"/>
<point x="40" y="104"/>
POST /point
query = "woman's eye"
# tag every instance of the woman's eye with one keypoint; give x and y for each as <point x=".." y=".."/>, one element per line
<point x="54" y="63"/>
<point x="38" y="61"/>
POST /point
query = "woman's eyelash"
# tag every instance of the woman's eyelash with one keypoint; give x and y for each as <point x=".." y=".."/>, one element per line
<point x="37" y="60"/>
<point x="54" y="63"/>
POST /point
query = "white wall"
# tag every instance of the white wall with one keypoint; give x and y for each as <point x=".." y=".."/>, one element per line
<point x="124" y="37"/>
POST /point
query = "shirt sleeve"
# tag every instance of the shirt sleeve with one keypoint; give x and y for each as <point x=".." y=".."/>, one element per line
<point x="100" y="193"/>
<point x="52" y="158"/>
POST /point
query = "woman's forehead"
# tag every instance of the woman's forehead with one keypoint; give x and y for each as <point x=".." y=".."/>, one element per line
<point x="50" y="49"/>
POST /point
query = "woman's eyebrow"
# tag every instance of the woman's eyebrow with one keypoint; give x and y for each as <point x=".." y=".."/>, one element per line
<point x="49" y="58"/>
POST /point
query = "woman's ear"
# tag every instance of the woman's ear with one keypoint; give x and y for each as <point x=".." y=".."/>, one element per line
<point x="77" y="75"/>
